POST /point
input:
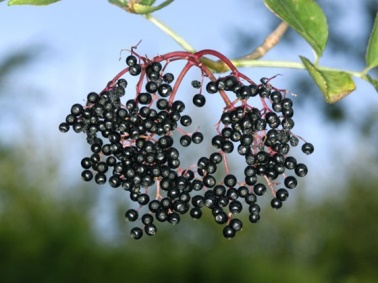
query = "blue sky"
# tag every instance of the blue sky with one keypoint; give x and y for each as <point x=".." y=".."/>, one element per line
<point x="82" y="41"/>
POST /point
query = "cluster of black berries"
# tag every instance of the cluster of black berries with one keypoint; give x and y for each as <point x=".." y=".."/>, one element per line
<point x="132" y="147"/>
<point x="264" y="138"/>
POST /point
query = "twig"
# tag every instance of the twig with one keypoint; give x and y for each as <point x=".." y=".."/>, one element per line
<point x="272" y="40"/>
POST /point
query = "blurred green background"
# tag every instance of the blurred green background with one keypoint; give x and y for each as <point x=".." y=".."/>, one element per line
<point x="54" y="228"/>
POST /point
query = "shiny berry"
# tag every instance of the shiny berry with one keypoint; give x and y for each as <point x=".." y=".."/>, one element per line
<point x="199" y="100"/>
<point x="307" y="148"/>
<point x="282" y="194"/>
<point x="229" y="232"/>
<point x="197" y="137"/>
<point x="131" y="215"/>
<point x="136" y="233"/>
<point x="276" y="203"/>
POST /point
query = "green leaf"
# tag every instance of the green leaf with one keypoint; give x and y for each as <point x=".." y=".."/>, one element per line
<point x="147" y="2"/>
<point x="118" y="2"/>
<point x="306" y="17"/>
<point x="373" y="82"/>
<point x="31" y="2"/>
<point x="138" y="8"/>
<point x="372" y="49"/>
<point x="334" y="85"/>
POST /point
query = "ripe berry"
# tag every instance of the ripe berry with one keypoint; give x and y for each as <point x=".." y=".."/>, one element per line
<point x="131" y="215"/>
<point x="136" y="233"/>
<point x="144" y="98"/>
<point x="161" y="215"/>
<point x="196" y="213"/>
<point x="86" y="163"/>
<point x="211" y="87"/>
<point x="236" y="224"/>
<point x="259" y="189"/>
<point x="276" y="203"/>
<point x="232" y="194"/>
<point x="186" y="120"/>
<point x="216" y="158"/>
<point x="147" y="219"/>
<point x="286" y="103"/>
<point x="198" y="201"/>
<point x="220" y="217"/>
<point x="87" y="175"/>
<point x="150" y="229"/>
<point x="290" y="162"/>
<point x="219" y="190"/>
<point x="151" y="87"/>
<point x="168" y="78"/>
<point x="100" y="178"/>
<point x="254" y="218"/>
<point x="209" y="181"/>
<point x="143" y="199"/>
<point x="229" y="232"/>
<point x="154" y="205"/>
<point x="174" y="218"/>
<point x="227" y="147"/>
<point x="282" y="194"/>
<point x="199" y="100"/>
<point x="243" y="191"/>
<point x="131" y="60"/>
<point x="164" y="90"/>
<point x="185" y="140"/>
<point x="301" y="170"/>
<point x="307" y="148"/>
<point x="92" y="97"/>
<point x="76" y="109"/>
<point x="178" y="106"/>
<point x="230" y="180"/>
<point x="197" y="137"/>
<point x="250" y="198"/>
<point x="135" y="70"/>
<point x="290" y="182"/>
<point x="235" y="207"/>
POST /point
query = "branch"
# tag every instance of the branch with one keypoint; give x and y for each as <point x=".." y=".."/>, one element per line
<point x="272" y="40"/>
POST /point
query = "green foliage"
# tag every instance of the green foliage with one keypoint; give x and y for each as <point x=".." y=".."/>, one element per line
<point x="372" y="49"/>
<point x="306" y="17"/>
<point x="334" y="85"/>
<point x="31" y="2"/>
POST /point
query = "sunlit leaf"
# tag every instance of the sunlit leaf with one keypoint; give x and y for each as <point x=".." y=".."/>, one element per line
<point x="334" y="85"/>
<point x="372" y="49"/>
<point x="306" y="17"/>
<point x="119" y="3"/>
<point x="31" y="2"/>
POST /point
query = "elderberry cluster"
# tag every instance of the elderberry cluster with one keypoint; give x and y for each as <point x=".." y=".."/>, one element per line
<point x="132" y="147"/>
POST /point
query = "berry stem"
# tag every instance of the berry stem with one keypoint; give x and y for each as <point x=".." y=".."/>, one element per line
<point x="220" y="56"/>
<point x="225" y="162"/>
<point x="179" y="80"/>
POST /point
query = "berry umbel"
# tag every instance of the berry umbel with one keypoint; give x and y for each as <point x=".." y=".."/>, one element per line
<point x="132" y="147"/>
